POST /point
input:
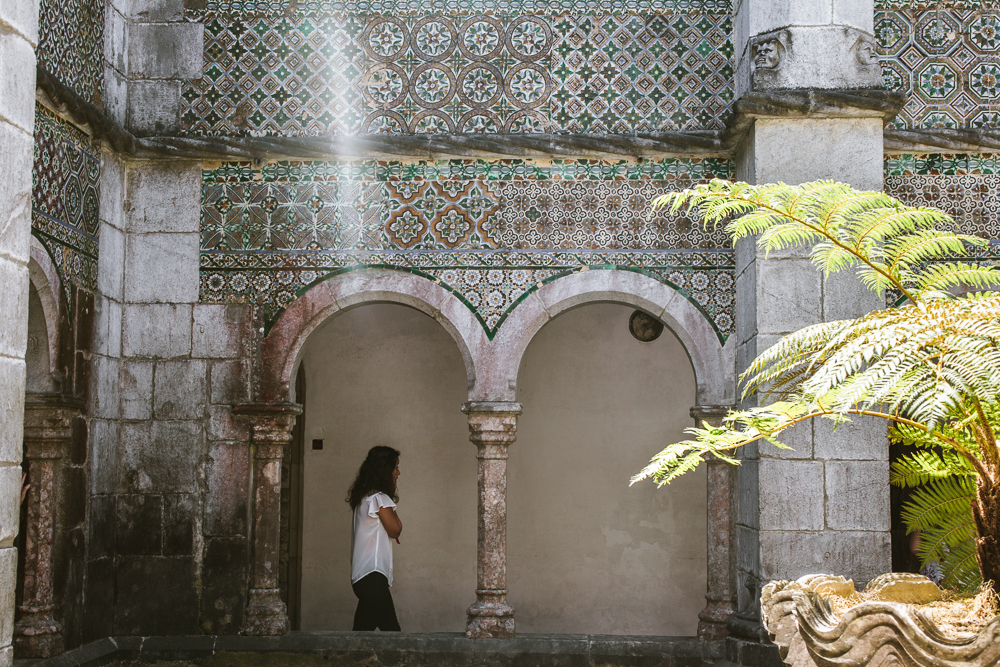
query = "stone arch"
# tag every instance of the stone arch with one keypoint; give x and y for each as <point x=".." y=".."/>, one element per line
<point x="45" y="279"/>
<point x="282" y="348"/>
<point x="713" y="361"/>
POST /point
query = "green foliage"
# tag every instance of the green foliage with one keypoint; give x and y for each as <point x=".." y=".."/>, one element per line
<point x="928" y="366"/>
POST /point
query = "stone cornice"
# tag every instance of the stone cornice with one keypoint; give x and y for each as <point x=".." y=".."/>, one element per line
<point x="861" y="103"/>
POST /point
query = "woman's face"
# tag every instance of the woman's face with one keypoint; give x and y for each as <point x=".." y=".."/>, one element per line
<point x="395" y="472"/>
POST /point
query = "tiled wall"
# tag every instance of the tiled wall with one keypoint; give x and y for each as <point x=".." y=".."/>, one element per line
<point x="65" y="200"/>
<point x="488" y="231"/>
<point x="71" y="44"/>
<point x="946" y="60"/>
<point x="339" y="68"/>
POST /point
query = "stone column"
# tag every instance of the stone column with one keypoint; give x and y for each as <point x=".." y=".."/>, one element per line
<point x="721" y="595"/>
<point x="492" y="427"/>
<point x="271" y="433"/>
<point x="48" y="432"/>
<point x="18" y="39"/>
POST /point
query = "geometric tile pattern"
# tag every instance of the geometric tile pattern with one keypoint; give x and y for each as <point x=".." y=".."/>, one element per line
<point x="65" y="200"/>
<point x="642" y="73"/>
<point x="947" y="61"/>
<point x="490" y="232"/>
<point x="495" y="7"/>
<point x="278" y="76"/>
<point x="442" y="74"/>
<point x="71" y="44"/>
<point x="314" y="73"/>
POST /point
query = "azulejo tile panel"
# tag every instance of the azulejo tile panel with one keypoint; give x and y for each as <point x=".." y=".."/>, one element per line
<point x="642" y="73"/>
<point x="947" y="61"/>
<point x="71" y="44"/>
<point x="65" y="200"/>
<point x="494" y="7"/>
<point x="314" y="73"/>
<point x="490" y="232"/>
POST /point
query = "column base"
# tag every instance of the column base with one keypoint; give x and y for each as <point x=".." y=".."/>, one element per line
<point x="490" y="617"/>
<point x="266" y="614"/>
<point x="37" y="634"/>
<point x="712" y="620"/>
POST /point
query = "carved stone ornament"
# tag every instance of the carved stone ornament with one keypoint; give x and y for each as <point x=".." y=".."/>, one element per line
<point x="767" y="54"/>
<point x="872" y="634"/>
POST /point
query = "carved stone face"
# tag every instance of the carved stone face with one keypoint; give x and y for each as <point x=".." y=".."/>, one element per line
<point x="865" y="53"/>
<point x="766" y="54"/>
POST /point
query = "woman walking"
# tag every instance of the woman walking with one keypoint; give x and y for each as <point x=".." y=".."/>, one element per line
<point x="373" y="498"/>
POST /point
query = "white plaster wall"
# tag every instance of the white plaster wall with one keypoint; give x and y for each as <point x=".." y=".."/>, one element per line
<point x="389" y="375"/>
<point x="587" y="553"/>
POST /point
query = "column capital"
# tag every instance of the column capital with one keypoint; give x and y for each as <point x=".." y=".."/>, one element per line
<point x="270" y="426"/>
<point x="713" y="414"/>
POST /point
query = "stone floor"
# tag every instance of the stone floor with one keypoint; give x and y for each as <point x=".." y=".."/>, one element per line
<point x="374" y="649"/>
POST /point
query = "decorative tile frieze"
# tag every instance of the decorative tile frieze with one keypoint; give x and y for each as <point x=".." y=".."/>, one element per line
<point x="948" y="62"/>
<point x="488" y="231"/>
<point x="65" y="200"/>
<point x="642" y="73"/>
<point x="71" y="44"/>
<point x="494" y="7"/>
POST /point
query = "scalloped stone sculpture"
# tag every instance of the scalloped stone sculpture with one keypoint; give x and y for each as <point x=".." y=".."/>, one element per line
<point x="872" y="634"/>
<point x="904" y="587"/>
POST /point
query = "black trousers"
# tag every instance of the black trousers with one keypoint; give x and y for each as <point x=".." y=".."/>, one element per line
<point x="375" y="608"/>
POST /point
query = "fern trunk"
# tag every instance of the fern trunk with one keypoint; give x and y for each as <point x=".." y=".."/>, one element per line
<point x="986" y="511"/>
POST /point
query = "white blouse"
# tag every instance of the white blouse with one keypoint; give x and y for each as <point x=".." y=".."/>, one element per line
<point x="371" y="548"/>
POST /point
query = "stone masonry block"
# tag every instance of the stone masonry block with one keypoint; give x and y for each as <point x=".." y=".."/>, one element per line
<point x="218" y="330"/>
<point x="179" y="390"/>
<point x="164" y="197"/>
<point x="17" y="84"/>
<point x="848" y="150"/>
<point x="747" y="558"/>
<point x="153" y="107"/>
<point x="799" y="438"/>
<point x="107" y="326"/>
<point x="22" y="16"/>
<point x="116" y="95"/>
<point x="166" y="50"/>
<point x="224" y="425"/>
<point x="788" y="295"/>
<point x="856" y="14"/>
<point x="10" y="503"/>
<point x="138" y="525"/>
<point x="791" y="495"/>
<point x="160" y="457"/>
<point x="12" y="380"/>
<point x="159" y="10"/>
<point x="746" y="305"/>
<point x="748" y="494"/>
<point x="172" y="611"/>
<point x="111" y="262"/>
<point x="179" y="512"/>
<point x="156" y="330"/>
<point x="846" y="297"/>
<point x="863" y="438"/>
<point x="15" y="193"/>
<point x="137" y="389"/>
<point x="161" y="268"/>
<point x="226" y="501"/>
<point x="857" y="555"/>
<point x="8" y="577"/>
<point x="105" y="395"/>
<point x="112" y="194"/>
<point x="229" y="382"/>
<point x="104" y="456"/>
<point x="857" y="495"/>
<point x="115" y="39"/>
<point x="14" y="306"/>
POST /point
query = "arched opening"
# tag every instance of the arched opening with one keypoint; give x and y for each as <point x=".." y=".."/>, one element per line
<point x="587" y="553"/>
<point x="388" y="374"/>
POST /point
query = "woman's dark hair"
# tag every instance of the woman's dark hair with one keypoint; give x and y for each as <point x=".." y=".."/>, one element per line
<point x="375" y="475"/>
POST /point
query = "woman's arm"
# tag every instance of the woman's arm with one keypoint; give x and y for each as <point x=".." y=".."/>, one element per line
<point x="390" y="521"/>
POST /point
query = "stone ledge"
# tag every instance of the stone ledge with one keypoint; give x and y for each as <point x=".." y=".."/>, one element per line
<point x="372" y="649"/>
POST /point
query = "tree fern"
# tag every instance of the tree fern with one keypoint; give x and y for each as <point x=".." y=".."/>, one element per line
<point x="930" y="367"/>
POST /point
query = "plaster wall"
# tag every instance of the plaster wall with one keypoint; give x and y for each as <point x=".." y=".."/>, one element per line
<point x="586" y="552"/>
<point x="389" y="375"/>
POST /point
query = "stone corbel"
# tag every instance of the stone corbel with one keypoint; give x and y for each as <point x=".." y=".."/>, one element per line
<point x="48" y="434"/>
<point x="492" y="428"/>
<point x="813" y="57"/>
<point x="721" y="594"/>
<point x="270" y="435"/>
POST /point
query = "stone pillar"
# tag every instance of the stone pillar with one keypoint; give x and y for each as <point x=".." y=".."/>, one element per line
<point x="270" y="435"/>
<point x="824" y="505"/>
<point x="48" y="432"/>
<point x="18" y="40"/>
<point x="721" y="595"/>
<point x="492" y="427"/>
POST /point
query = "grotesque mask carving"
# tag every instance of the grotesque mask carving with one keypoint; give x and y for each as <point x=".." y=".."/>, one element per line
<point x="864" y="52"/>
<point x="767" y="54"/>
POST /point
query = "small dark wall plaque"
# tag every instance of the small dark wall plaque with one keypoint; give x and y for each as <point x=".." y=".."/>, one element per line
<point x="317" y="443"/>
<point x="644" y="327"/>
